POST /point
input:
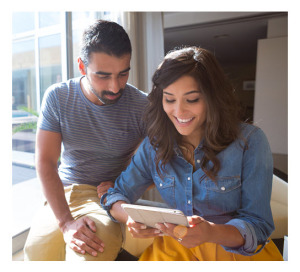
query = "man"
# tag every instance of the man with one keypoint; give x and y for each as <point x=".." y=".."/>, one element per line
<point x="94" y="123"/>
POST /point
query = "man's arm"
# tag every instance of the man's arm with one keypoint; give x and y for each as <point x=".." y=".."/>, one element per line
<point x="78" y="234"/>
<point x="48" y="146"/>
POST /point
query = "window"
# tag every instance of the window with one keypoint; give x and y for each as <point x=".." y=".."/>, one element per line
<point x="36" y="64"/>
<point x="45" y="47"/>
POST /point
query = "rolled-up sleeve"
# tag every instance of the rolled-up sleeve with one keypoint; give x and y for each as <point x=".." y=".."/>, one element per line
<point x="109" y="198"/>
<point x="254" y="218"/>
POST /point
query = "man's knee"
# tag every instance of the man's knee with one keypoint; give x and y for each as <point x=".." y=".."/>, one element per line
<point x="110" y="233"/>
<point x="49" y="247"/>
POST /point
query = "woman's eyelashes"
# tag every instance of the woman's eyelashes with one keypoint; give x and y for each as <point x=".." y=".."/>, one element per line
<point x="193" y="100"/>
<point x="170" y="101"/>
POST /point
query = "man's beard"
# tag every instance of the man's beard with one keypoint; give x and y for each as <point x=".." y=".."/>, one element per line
<point x="101" y="96"/>
<point x="106" y="101"/>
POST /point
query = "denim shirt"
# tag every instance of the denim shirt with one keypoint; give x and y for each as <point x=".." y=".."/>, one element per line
<point x="240" y="196"/>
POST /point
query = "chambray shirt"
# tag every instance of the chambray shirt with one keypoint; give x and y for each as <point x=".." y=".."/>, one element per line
<point x="240" y="196"/>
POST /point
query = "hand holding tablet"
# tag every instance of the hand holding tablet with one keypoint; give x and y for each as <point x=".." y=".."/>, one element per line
<point x="152" y="215"/>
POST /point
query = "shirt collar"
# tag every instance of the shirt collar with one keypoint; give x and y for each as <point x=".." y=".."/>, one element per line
<point x="178" y="152"/>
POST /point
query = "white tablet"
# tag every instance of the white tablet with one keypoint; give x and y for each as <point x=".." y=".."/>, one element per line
<point x="152" y="215"/>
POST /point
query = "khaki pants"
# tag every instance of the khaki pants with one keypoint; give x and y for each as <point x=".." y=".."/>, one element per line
<point x="45" y="241"/>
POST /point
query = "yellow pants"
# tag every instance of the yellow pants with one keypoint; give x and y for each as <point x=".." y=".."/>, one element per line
<point x="166" y="248"/>
<point x="45" y="241"/>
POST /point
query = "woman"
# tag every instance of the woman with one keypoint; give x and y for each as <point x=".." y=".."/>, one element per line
<point x="204" y="162"/>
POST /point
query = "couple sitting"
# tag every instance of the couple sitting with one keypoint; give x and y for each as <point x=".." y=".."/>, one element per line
<point x="203" y="160"/>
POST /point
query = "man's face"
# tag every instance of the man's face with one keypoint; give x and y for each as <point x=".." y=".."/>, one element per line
<point x="106" y="77"/>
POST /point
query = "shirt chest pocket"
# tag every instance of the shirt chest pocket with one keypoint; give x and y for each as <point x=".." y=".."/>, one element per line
<point x="223" y="195"/>
<point x="223" y="184"/>
<point x="122" y="142"/>
<point x="166" y="188"/>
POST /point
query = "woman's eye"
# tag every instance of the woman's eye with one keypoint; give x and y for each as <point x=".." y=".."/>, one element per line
<point x="169" y="101"/>
<point x="193" y="100"/>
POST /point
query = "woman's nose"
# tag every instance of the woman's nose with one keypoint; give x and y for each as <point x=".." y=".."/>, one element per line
<point x="179" y="109"/>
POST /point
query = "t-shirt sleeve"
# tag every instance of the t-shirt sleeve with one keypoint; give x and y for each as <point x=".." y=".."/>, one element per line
<point x="49" y="118"/>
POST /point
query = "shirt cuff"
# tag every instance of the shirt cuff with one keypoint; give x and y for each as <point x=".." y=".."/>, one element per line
<point x="111" y="198"/>
<point x="248" y="233"/>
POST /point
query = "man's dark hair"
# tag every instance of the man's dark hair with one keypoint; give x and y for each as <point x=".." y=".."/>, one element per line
<point x="107" y="37"/>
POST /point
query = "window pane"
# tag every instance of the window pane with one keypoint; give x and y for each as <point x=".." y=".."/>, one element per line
<point x="22" y="22"/>
<point x="49" y="19"/>
<point x="50" y="61"/>
<point x="76" y="50"/>
<point x="80" y="20"/>
<point x="23" y="94"/>
<point x="23" y="75"/>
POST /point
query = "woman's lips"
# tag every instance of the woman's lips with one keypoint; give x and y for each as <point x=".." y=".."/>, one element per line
<point x="184" y="122"/>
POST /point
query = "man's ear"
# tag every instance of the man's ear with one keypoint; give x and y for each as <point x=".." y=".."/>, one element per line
<point x="81" y="66"/>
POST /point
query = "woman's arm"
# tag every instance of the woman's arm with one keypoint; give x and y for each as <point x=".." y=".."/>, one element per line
<point x="254" y="217"/>
<point x="118" y="213"/>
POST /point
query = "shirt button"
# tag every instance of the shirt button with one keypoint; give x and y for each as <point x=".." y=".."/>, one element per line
<point x="198" y="161"/>
<point x="223" y="188"/>
<point x="189" y="178"/>
<point x="189" y="202"/>
<point x="160" y="184"/>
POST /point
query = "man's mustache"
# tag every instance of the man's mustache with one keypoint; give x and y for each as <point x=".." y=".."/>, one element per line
<point x="111" y="93"/>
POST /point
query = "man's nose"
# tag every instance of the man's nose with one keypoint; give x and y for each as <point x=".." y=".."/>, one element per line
<point x="114" y="85"/>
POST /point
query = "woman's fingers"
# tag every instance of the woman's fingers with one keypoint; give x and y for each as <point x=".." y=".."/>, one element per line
<point x="139" y="230"/>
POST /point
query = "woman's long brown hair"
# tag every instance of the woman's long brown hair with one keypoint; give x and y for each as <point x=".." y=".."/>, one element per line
<point x="222" y="124"/>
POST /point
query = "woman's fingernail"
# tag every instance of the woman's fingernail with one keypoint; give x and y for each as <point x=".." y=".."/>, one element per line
<point x="157" y="226"/>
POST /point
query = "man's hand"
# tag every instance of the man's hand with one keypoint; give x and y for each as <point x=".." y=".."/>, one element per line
<point x="103" y="187"/>
<point x="80" y="236"/>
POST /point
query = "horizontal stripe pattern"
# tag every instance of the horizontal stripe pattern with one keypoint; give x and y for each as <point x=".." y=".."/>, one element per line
<point x="98" y="141"/>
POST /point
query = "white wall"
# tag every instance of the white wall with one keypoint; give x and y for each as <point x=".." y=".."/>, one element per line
<point x="176" y="19"/>
<point x="271" y="91"/>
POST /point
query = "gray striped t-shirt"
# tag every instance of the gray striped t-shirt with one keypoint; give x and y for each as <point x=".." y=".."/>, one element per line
<point x="97" y="141"/>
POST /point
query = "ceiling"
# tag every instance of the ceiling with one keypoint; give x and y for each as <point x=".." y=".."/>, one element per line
<point x="232" y="41"/>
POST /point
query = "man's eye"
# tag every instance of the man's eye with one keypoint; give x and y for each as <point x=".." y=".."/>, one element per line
<point x="103" y="77"/>
<point x="124" y="74"/>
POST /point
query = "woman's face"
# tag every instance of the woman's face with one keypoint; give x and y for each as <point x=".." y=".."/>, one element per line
<point x="184" y="104"/>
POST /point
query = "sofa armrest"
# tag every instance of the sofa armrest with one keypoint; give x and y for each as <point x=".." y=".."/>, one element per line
<point x="279" y="206"/>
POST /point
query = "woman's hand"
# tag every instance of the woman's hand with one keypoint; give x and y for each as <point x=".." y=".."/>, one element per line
<point x="139" y="230"/>
<point x="198" y="232"/>
<point x="103" y="187"/>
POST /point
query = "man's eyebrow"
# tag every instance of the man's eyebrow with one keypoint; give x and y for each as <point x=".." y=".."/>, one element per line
<point x="191" y="92"/>
<point x="108" y="74"/>
<point x="125" y="70"/>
